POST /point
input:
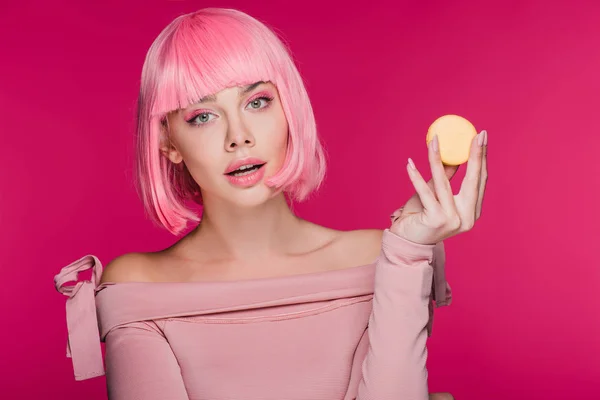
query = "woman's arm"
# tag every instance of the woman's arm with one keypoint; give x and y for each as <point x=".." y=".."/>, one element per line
<point x="394" y="367"/>
<point x="141" y="365"/>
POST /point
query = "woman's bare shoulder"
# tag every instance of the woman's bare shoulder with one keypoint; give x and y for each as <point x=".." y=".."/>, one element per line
<point x="357" y="247"/>
<point x="129" y="267"/>
<point x="364" y="242"/>
<point x="371" y="236"/>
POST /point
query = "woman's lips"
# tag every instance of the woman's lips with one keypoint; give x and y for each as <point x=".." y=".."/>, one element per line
<point x="247" y="179"/>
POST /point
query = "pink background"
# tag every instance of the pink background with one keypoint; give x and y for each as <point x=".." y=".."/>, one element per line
<point x="524" y="324"/>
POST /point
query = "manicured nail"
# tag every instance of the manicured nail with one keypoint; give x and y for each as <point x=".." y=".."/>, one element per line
<point x="480" y="138"/>
<point x="412" y="164"/>
<point x="485" y="139"/>
<point x="436" y="144"/>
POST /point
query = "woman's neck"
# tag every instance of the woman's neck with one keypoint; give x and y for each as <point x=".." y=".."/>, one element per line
<point x="249" y="234"/>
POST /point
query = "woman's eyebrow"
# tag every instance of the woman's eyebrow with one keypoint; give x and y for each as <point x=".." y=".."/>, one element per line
<point x="250" y="87"/>
<point x="243" y="91"/>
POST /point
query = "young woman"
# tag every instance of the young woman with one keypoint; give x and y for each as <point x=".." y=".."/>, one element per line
<point x="255" y="302"/>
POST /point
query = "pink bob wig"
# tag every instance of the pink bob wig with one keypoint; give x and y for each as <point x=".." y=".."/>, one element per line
<point x="199" y="54"/>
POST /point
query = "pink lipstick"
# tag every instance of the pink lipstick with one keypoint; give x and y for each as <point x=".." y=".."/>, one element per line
<point x="245" y="172"/>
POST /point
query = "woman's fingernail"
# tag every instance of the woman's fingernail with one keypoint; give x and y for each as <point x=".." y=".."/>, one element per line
<point x="436" y="144"/>
<point x="485" y="139"/>
<point x="480" y="138"/>
<point x="411" y="163"/>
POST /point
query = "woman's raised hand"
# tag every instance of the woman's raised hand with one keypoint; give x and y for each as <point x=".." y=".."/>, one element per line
<point x="439" y="214"/>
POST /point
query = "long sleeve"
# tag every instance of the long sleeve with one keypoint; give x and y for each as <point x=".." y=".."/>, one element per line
<point x="394" y="367"/>
<point x="140" y="364"/>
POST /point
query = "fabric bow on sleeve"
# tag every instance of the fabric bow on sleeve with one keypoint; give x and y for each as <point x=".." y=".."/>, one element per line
<point x="83" y="345"/>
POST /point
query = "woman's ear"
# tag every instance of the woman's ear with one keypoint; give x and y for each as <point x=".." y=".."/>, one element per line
<point x="167" y="147"/>
<point x="170" y="151"/>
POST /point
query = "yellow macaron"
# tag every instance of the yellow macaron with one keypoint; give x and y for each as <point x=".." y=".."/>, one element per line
<point x="455" y="135"/>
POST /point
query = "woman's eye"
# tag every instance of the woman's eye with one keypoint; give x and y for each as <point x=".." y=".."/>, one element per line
<point x="260" y="102"/>
<point x="201" y="118"/>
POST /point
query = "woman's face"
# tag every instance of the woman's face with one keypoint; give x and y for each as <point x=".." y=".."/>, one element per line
<point x="235" y="124"/>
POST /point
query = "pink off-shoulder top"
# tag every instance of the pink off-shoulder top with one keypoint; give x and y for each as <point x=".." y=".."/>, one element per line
<point x="359" y="333"/>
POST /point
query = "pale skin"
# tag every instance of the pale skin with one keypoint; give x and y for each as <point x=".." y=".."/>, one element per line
<point x="252" y="232"/>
